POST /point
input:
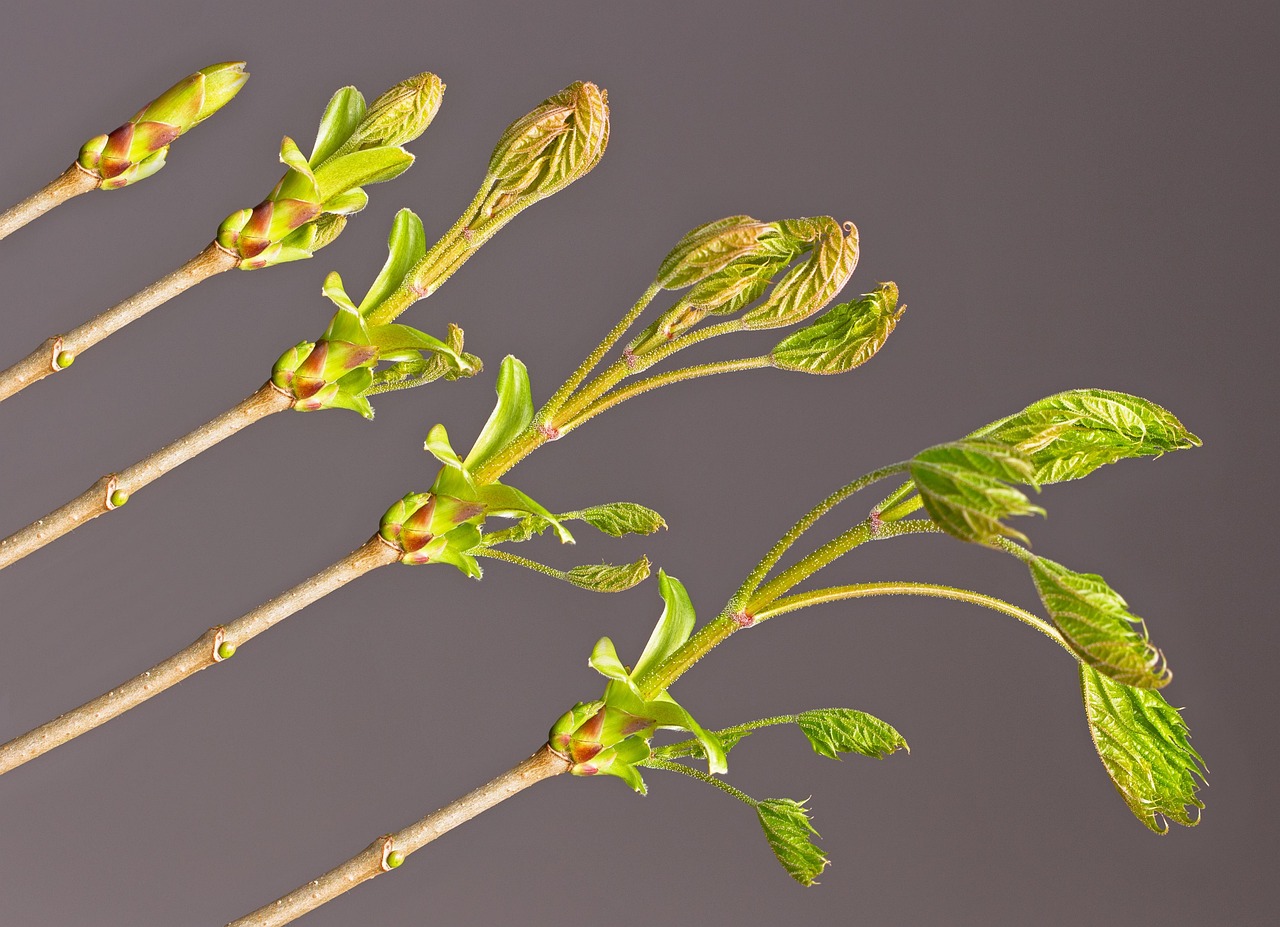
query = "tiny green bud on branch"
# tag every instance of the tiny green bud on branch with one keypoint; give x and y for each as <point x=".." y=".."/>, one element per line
<point x="114" y="490"/>
<point x="212" y="647"/>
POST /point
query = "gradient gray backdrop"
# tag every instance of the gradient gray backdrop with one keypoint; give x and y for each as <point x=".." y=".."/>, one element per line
<point x="1068" y="194"/>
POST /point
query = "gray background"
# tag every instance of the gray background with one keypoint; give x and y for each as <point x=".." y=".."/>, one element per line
<point x="1068" y="195"/>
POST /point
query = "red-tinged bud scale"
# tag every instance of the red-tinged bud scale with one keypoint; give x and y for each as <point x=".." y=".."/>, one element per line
<point x="137" y="149"/>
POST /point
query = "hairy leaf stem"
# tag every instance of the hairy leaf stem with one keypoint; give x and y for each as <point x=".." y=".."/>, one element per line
<point x="804" y="524"/>
<point x="597" y="354"/>
<point x="212" y="647"/>
<point x="58" y="352"/>
<point x="70" y="183"/>
<point x="655" y="763"/>
<point x="729" y="620"/>
<point x="389" y="851"/>
<point x="611" y="399"/>
<point x="933" y="590"/>
<point x="113" y="490"/>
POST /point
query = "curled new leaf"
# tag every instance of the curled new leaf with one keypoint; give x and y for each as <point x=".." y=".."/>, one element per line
<point x="1071" y="434"/>
<point x="708" y="249"/>
<point x="844" y="336"/>
<point x="608" y="577"/>
<point x="511" y="415"/>
<point x="814" y="282"/>
<point x="790" y="834"/>
<point x="1098" y="626"/>
<point x="832" y="731"/>
<point x="964" y="487"/>
<point x="618" y="518"/>
<point x="1146" y="750"/>
<point x="674" y="625"/>
<point x="547" y="149"/>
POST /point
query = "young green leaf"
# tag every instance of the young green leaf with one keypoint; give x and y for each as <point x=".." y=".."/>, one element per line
<point x="843" y="337"/>
<point x="1071" y="434"/>
<point x="707" y="249"/>
<point x="789" y="832"/>
<point x="510" y="416"/>
<point x="608" y="577"/>
<point x="345" y="110"/>
<point x="618" y="518"/>
<point x="373" y="165"/>
<point x="832" y="731"/>
<point x="604" y="660"/>
<point x="963" y="487"/>
<point x="1098" y="626"/>
<point x="439" y="447"/>
<point x="509" y="502"/>
<point x="812" y="284"/>
<point x="1145" y="747"/>
<point x="406" y="245"/>
<point x="673" y="627"/>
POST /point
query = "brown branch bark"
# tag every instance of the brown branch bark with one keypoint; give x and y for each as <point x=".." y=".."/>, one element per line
<point x="71" y="182"/>
<point x="97" y="499"/>
<point x="208" y="649"/>
<point x="43" y="361"/>
<point x="377" y="858"/>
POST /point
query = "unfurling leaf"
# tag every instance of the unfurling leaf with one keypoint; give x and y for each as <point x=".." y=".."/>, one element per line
<point x="708" y="249"/>
<point x="1098" y="626"/>
<point x="511" y="415"/>
<point x="674" y="625"/>
<point x="608" y="577"/>
<point x="1145" y="747"/>
<point x="789" y="832"/>
<point x="832" y="731"/>
<point x="618" y="518"/>
<point x="844" y="337"/>
<point x="964" y="487"/>
<point x="345" y="110"/>
<point x="547" y="149"/>
<point x="1071" y="434"/>
<point x="405" y="246"/>
<point x="814" y="282"/>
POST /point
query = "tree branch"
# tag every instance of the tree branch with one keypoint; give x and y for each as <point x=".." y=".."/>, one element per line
<point x="387" y="852"/>
<point x="71" y="182"/>
<point x="57" y="353"/>
<point x="114" y="489"/>
<point x="214" y="646"/>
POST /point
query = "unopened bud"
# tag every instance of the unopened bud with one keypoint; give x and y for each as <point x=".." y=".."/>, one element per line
<point x="398" y="116"/>
<point x="560" y="140"/>
<point x="137" y="149"/>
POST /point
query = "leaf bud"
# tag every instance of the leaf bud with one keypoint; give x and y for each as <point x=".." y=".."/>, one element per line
<point x="137" y="149"/>
<point x="547" y="149"/>
<point x="398" y="116"/>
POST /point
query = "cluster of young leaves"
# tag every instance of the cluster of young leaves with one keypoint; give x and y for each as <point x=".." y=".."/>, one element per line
<point x="356" y="145"/>
<point x="137" y="149"/>
<point x="559" y="141"/>
<point x="752" y="275"/>
<point x="1141" y="739"/>
<point x="967" y="488"/>
<point x="443" y="524"/>
<point x="341" y="369"/>
<point x="613" y="734"/>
